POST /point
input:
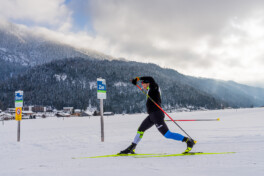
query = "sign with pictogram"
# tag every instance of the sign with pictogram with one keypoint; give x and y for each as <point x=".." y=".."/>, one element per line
<point x="19" y="98"/>
<point x="101" y="88"/>
<point x="19" y="114"/>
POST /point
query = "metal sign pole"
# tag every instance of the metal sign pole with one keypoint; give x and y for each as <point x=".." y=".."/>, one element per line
<point x="102" y="119"/>
<point x="18" y="131"/>
<point x="18" y="115"/>
<point x="101" y="94"/>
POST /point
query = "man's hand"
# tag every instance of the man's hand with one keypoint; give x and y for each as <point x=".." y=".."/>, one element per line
<point x="135" y="80"/>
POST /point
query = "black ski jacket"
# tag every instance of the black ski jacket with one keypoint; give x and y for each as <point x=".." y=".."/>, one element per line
<point x="154" y="93"/>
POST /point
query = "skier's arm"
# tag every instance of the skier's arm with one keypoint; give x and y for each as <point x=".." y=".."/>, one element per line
<point x="148" y="79"/>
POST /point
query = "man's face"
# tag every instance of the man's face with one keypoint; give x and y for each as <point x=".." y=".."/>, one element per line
<point x="145" y="86"/>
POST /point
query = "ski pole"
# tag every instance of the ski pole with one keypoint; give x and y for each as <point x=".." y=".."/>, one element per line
<point x="190" y="120"/>
<point x="163" y="111"/>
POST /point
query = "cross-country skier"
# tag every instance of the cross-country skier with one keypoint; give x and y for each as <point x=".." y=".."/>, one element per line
<point x="155" y="117"/>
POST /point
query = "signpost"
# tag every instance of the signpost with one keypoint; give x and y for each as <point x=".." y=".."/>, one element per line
<point x="18" y="105"/>
<point x="101" y="94"/>
<point x="101" y="88"/>
<point x="19" y="98"/>
<point x="18" y="114"/>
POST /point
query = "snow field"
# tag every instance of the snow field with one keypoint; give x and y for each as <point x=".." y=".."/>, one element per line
<point x="48" y="145"/>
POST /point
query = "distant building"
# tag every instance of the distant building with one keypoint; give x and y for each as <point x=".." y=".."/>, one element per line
<point x="35" y="108"/>
<point x="62" y="114"/>
<point x="68" y="110"/>
<point x="11" y="110"/>
<point x="39" y="109"/>
<point x="49" y="109"/>
<point x="85" y="114"/>
<point x="27" y="108"/>
<point x="27" y="113"/>
<point x="77" y="110"/>
<point x="108" y="113"/>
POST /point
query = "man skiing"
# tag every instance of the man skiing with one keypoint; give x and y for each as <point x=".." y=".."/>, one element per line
<point x="155" y="117"/>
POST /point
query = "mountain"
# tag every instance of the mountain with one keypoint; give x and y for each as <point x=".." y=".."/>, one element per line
<point x="237" y="95"/>
<point x="20" y="45"/>
<point x="72" y="82"/>
<point x="10" y="69"/>
<point x="60" y="75"/>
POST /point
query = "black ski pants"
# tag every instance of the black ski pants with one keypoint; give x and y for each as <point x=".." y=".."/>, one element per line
<point x="156" y="118"/>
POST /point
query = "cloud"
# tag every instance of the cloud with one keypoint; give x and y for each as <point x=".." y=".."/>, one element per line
<point x="50" y="13"/>
<point x="82" y="41"/>
<point x="219" y="39"/>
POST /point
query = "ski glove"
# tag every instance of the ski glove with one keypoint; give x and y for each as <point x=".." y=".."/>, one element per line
<point x="135" y="80"/>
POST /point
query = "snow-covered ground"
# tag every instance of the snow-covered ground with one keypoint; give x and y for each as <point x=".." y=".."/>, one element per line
<point x="48" y="145"/>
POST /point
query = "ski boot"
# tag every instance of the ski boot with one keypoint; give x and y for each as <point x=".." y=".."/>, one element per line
<point x="129" y="150"/>
<point x="190" y="143"/>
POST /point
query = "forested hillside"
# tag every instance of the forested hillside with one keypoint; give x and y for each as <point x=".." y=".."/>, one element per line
<point x="72" y="82"/>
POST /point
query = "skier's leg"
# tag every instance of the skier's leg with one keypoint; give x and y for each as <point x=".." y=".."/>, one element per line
<point x="164" y="130"/>
<point x="138" y="137"/>
<point x="158" y="118"/>
<point x="146" y="124"/>
<point x="175" y="136"/>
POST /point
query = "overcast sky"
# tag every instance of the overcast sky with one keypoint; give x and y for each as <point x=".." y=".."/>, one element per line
<point x="221" y="39"/>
